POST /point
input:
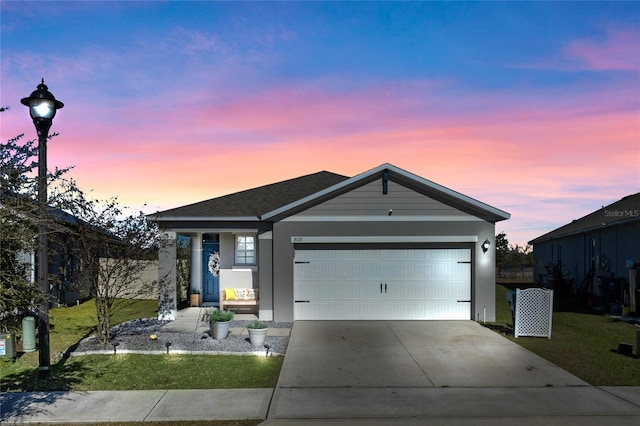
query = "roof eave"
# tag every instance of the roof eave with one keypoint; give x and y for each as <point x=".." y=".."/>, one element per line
<point x="548" y="237"/>
<point x="156" y="218"/>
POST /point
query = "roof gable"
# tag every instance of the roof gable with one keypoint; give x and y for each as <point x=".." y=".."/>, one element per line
<point x="387" y="171"/>
<point x="622" y="211"/>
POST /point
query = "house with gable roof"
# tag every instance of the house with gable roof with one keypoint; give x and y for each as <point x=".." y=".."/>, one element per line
<point x="385" y="244"/>
<point x="602" y="245"/>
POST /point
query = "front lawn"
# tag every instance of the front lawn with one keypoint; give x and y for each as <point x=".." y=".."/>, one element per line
<point x="580" y="343"/>
<point x="130" y="371"/>
<point x="137" y="372"/>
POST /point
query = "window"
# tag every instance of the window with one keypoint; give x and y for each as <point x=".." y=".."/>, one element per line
<point x="245" y="250"/>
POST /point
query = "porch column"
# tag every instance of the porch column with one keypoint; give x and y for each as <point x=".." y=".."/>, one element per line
<point x="196" y="262"/>
<point x="167" y="277"/>
<point x="265" y="271"/>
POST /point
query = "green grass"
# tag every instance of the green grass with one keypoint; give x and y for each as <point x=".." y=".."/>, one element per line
<point x="130" y="371"/>
<point x="134" y="372"/>
<point x="580" y="343"/>
<point x="69" y="325"/>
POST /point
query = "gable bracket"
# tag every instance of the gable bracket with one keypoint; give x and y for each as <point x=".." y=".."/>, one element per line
<point x="385" y="182"/>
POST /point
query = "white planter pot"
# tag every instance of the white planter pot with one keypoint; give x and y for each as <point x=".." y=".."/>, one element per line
<point x="219" y="330"/>
<point x="257" y="336"/>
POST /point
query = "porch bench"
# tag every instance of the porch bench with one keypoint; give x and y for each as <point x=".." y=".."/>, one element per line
<point x="242" y="299"/>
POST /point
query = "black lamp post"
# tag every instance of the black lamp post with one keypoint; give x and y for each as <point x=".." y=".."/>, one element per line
<point x="42" y="107"/>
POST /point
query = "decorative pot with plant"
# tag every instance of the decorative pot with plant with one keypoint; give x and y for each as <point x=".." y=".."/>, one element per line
<point x="194" y="297"/>
<point x="219" y="322"/>
<point x="257" y="332"/>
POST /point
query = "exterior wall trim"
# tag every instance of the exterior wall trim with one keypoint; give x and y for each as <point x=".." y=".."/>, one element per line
<point x="391" y="218"/>
<point x="387" y="239"/>
<point x="213" y="230"/>
<point x="203" y="218"/>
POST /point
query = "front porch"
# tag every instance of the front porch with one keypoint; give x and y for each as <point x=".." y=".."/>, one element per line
<point x="218" y="259"/>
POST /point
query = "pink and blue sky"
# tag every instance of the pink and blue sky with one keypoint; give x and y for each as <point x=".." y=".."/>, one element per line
<point x="533" y="108"/>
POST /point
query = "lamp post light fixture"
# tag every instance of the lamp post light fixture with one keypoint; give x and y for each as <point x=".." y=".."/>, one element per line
<point x="42" y="108"/>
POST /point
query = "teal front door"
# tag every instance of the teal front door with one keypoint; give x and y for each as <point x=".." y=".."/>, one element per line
<point x="211" y="273"/>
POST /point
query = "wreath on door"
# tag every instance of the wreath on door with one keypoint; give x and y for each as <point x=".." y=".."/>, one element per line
<point x="214" y="263"/>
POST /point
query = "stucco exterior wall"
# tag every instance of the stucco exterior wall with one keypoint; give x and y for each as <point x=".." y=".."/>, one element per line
<point x="227" y="247"/>
<point x="143" y="285"/>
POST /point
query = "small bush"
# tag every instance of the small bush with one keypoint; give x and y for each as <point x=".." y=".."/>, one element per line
<point x="216" y="315"/>
<point x="257" y="325"/>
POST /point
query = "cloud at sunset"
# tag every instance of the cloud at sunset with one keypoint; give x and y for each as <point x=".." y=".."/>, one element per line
<point x="220" y="99"/>
<point x="618" y="50"/>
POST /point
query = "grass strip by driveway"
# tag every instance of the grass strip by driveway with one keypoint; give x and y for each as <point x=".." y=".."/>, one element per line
<point x="580" y="343"/>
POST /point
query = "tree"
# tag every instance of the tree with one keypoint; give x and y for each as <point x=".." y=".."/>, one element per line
<point x="113" y="249"/>
<point x="183" y="267"/>
<point x="502" y="248"/>
<point x="18" y="296"/>
<point x="511" y="255"/>
<point x="19" y="220"/>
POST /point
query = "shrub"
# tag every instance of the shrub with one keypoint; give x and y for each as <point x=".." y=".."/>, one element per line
<point x="256" y="325"/>
<point x="216" y="315"/>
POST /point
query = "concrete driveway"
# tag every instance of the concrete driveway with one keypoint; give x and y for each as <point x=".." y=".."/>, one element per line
<point x="383" y="370"/>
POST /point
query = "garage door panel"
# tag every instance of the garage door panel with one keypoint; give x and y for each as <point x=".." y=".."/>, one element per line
<point x="382" y="284"/>
<point x="446" y="310"/>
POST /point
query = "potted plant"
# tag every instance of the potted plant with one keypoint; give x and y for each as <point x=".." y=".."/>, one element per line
<point x="257" y="332"/>
<point x="194" y="298"/>
<point x="219" y="322"/>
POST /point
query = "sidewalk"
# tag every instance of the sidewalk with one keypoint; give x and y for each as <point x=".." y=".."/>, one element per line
<point x="585" y="406"/>
<point x="138" y="406"/>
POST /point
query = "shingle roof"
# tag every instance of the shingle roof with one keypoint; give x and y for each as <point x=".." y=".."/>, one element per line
<point x="625" y="210"/>
<point x="257" y="201"/>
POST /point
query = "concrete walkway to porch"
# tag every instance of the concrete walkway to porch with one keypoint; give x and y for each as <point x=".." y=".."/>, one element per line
<point x="194" y="320"/>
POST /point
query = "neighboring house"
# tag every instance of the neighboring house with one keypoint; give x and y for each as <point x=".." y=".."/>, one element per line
<point x="605" y="243"/>
<point x="63" y="260"/>
<point x="385" y="244"/>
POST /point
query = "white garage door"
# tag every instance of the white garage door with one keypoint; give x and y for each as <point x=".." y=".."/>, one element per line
<point x="382" y="284"/>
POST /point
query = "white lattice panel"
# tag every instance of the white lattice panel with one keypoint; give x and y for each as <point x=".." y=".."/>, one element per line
<point x="534" y="312"/>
